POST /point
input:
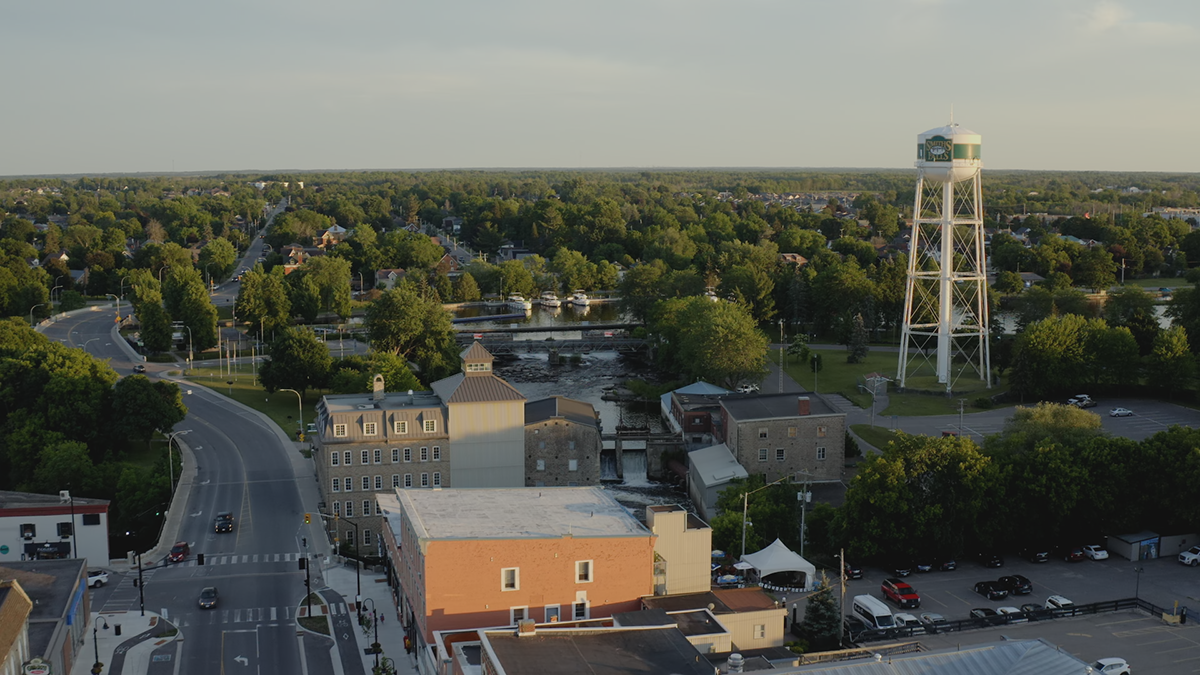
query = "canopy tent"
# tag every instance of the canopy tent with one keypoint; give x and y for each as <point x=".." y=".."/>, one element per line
<point x="779" y="558"/>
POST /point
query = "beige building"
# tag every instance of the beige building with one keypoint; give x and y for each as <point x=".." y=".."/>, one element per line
<point x="562" y="443"/>
<point x="682" y="552"/>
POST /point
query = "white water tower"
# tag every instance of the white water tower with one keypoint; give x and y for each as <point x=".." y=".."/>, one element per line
<point x="945" y="331"/>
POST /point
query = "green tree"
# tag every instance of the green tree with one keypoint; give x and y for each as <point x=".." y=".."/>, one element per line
<point x="1172" y="366"/>
<point x="412" y="324"/>
<point x="465" y="289"/>
<point x="332" y="277"/>
<point x="217" y="258"/>
<point x="713" y="341"/>
<point x="141" y="407"/>
<point x="63" y="465"/>
<point x="263" y="301"/>
<point x="1050" y="355"/>
<point x="1045" y="424"/>
<point x="304" y="296"/>
<point x="296" y="359"/>
<point x="1095" y="269"/>
<point x="752" y="286"/>
<point x="858" y="346"/>
<point x="70" y="301"/>
<point x="641" y="287"/>
<point x="1008" y="282"/>
<point x="822" y="616"/>
<point x="156" y="327"/>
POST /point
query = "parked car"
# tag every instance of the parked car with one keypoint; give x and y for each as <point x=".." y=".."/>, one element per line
<point x="1012" y="614"/>
<point x="97" y="578"/>
<point x="902" y="569"/>
<point x="208" y="597"/>
<point x="1111" y="666"/>
<point x="853" y="571"/>
<point x="900" y="593"/>
<point x="923" y="565"/>
<point x="179" y="552"/>
<point x="1072" y="553"/>
<point x="1082" y="401"/>
<point x="1058" y="602"/>
<point x="947" y="565"/>
<point x="139" y="368"/>
<point x="991" y="559"/>
<point x="1016" y="584"/>
<point x="853" y="627"/>
<point x="223" y="522"/>
<point x="909" y="622"/>
<point x="991" y="590"/>
<point x="747" y="389"/>
<point x="1036" y="554"/>
<point x="1120" y="412"/>
<point x="985" y="615"/>
<point x="1190" y="556"/>
<point x="1095" y="552"/>
<point x="932" y="619"/>
<point x="1033" y="610"/>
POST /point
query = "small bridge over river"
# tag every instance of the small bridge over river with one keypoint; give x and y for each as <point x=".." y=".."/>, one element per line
<point x="599" y="337"/>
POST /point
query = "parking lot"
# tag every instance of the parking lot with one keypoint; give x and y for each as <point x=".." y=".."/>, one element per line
<point x="1147" y="642"/>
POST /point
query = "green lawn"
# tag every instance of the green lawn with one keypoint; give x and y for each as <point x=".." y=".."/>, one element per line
<point x="876" y="436"/>
<point x="1164" y="282"/>
<point x="280" y="406"/>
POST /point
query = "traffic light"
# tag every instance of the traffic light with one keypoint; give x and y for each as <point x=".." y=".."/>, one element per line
<point x="307" y="518"/>
<point x="303" y="563"/>
<point x="200" y="559"/>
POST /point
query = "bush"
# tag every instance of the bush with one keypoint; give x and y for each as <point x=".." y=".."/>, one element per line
<point x="852" y="449"/>
<point x="983" y="403"/>
<point x="70" y="301"/>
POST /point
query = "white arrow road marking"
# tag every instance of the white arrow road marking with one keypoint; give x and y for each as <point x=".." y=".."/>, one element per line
<point x="242" y="660"/>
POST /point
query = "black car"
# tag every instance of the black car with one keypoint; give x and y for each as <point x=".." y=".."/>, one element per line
<point x="208" y="597"/>
<point x="991" y="559"/>
<point x="1036" y="554"/>
<point x="1016" y="584"/>
<point x="902" y="569"/>
<point x="853" y="627"/>
<point x="991" y="590"/>
<point x="139" y="368"/>
<point x="853" y="571"/>
<point x="223" y="522"/>
<point x="947" y="565"/>
<point x="986" y="616"/>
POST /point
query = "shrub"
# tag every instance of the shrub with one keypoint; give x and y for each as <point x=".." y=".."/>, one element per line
<point x="983" y="403"/>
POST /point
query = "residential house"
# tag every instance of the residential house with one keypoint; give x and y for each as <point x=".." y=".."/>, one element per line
<point x="327" y="239"/>
<point x="793" y="259"/>
<point x="45" y="527"/>
<point x="689" y="410"/>
<point x="388" y="278"/>
<point x="682" y="550"/>
<point x="562" y="443"/>
<point x="710" y="471"/>
<point x="753" y="619"/>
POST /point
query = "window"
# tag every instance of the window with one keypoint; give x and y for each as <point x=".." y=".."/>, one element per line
<point x="348" y="486"/>
<point x="370" y="429"/>
<point x="572" y="465"/>
<point x="541" y="445"/>
<point x="516" y="614"/>
<point x="337" y="484"/>
<point x="378" y="482"/>
<point x="424" y="480"/>
<point x="821" y="432"/>
<point x="437" y="479"/>
<point x="762" y="432"/>
<point x="583" y="571"/>
<point x="408" y="454"/>
<point x="424" y="454"/>
<point x="580" y="610"/>
<point x="820" y="453"/>
<point x="64" y="529"/>
<point x="408" y="480"/>
<point x="339" y="430"/>
<point x="696" y="421"/>
<point x="570" y="445"/>
<point x="541" y="465"/>
<point x="346" y="458"/>
<point x="395" y="480"/>
<point x="431" y="426"/>
<point x="91" y="519"/>
<point x="478" y="367"/>
<point x="366" y="537"/>
<point x="378" y="456"/>
<point x="762" y="454"/>
<point x="791" y="432"/>
<point x="366" y="507"/>
<point x="779" y="454"/>
<point x="350" y="511"/>
<point x="437" y="453"/>
<point x="378" y="509"/>
<point x="395" y="455"/>
<point x="760" y="631"/>
<point x="337" y="509"/>
<point x="539" y="483"/>
<point x="366" y="483"/>
<point x="552" y="613"/>
<point x="364" y="457"/>
<point x="335" y="458"/>
<point x="401" y="427"/>
<point x="510" y="579"/>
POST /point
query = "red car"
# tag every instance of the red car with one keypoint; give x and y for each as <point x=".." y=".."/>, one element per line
<point x="900" y="593"/>
<point x="179" y="552"/>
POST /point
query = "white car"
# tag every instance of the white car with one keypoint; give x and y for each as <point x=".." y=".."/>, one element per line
<point x="1120" y="412"/>
<point x="1017" y="616"/>
<point x="1095" y="552"/>
<point x="1112" y="666"/>
<point x="903" y="620"/>
<point x="1190" y="556"/>
<point x="97" y="578"/>
<point x="1058" y="602"/>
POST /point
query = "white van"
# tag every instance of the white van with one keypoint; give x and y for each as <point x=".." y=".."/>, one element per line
<point x="873" y="612"/>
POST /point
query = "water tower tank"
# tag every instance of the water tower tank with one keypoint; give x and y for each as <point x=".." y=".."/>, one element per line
<point x="949" y="154"/>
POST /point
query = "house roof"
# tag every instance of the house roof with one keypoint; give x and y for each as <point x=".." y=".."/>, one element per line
<point x="716" y="465"/>
<point x="579" y="412"/>
<point x="702" y="388"/>
<point x="24" y="500"/>
<point x="597" y="651"/>
<point x="1010" y="657"/>
<point x="475" y="388"/>
<point x="773" y="406"/>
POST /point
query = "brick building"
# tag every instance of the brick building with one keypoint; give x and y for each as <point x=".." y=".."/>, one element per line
<point x="562" y="443"/>
<point x="775" y="435"/>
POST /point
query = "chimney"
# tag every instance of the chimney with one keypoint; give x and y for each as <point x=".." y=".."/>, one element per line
<point x="526" y="628"/>
<point x="802" y="406"/>
<point x="377" y="388"/>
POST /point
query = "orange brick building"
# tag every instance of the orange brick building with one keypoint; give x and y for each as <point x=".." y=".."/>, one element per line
<point x="476" y="558"/>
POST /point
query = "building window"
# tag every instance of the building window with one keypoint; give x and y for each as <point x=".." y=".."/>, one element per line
<point x="539" y="483"/>
<point x="401" y="427"/>
<point x="762" y="454"/>
<point x="366" y="483"/>
<point x="346" y="458"/>
<point x="541" y="445"/>
<point x="437" y="479"/>
<point x="337" y="509"/>
<point x="791" y="432"/>
<point x="64" y="529"/>
<point x="395" y="480"/>
<point x="424" y="454"/>
<point x="516" y="614"/>
<point x="339" y="430"/>
<point x="337" y="484"/>
<point x="370" y="429"/>
<point x="378" y="482"/>
<point x="378" y="508"/>
<point x="366" y="537"/>
<point x="437" y="453"/>
<point x="583" y="571"/>
<point x="408" y="480"/>
<point x="350" y="511"/>
<point x="431" y="426"/>
<point x="821" y="432"/>
<point x="91" y="519"/>
<point x="408" y="454"/>
<point x="510" y="579"/>
<point x="366" y="507"/>
<point x="378" y="456"/>
<point x="348" y="485"/>
<point x="762" y="432"/>
<point x="335" y="458"/>
<point x="570" y="445"/>
<point x="696" y="421"/>
<point x="478" y="367"/>
<point x="779" y="454"/>
<point x="395" y="455"/>
<point x="364" y="457"/>
<point x="541" y="465"/>
<point x="424" y="480"/>
<point x="820" y="453"/>
<point x="760" y="631"/>
<point x="580" y="610"/>
<point x="572" y="465"/>
<point x="552" y="613"/>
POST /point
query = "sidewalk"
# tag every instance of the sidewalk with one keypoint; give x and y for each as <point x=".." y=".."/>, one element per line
<point x="391" y="633"/>
<point x="128" y="652"/>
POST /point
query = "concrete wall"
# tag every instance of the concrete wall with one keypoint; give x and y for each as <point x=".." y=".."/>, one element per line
<point x="489" y="444"/>
<point x="742" y="628"/>
<point x="91" y="541"/>
<point x="1172" y="546"/>
<point x="799" y="437"/>
<point x="686" y="550"/>
<point x="555" y="442"/>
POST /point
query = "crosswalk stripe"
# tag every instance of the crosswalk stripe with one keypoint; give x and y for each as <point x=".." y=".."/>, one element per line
<point x="273" y="617"/>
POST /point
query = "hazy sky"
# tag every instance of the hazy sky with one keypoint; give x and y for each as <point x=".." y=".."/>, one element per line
<point x="154" y="85"/>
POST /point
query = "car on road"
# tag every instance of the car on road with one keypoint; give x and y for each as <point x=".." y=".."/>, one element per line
<point x="97" y="578"/>
<point x="991" y="559"/>
<point x="1191" y="556"/>
<point x="179" y="552"/>
<point x="223" y="522"/>
<point x="139" y="368"/>
<point x="1058" y="602"/>
<point x="1111" y="666"/>
<point x="1012" y="614"/>
<point x="1016" y="584"/>
<point x="1120" y="412"/>
<point x="208" y="597"/>
<point x="1095" y="552"/>
<point x="1036" y="554"/>
<point x="900" y="593"/>
<point x="991" y="590"/>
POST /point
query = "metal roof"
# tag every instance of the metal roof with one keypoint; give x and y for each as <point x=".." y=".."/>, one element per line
<point x="569" y="409"/>
<point x="1010" y="657"/>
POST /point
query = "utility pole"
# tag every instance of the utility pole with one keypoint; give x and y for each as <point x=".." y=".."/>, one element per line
<point x="782" y="348"/>
<point x="961" y="402"/>
<point x="804" y="496"/>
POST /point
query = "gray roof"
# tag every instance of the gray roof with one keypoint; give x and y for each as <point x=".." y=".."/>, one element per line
<point x="600" y="651"/>
<point x="702" y="388"/>
<point x="579" y="412"/>
<point x="476" y="352"/>
<point x="716" y="465"/>
<point x="51" y="584"/>
<point x="773" y="406"/>
<point x="24" y="500"/>
<point x="1011" y="657"/>
<point x="475" y="388"/>
<point x="392" y="400"/>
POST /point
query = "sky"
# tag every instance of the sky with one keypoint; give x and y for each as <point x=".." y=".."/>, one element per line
<point x="265" y="85"/>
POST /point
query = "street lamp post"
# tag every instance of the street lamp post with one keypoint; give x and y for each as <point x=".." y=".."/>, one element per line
<point x="300" y="405"/>
<point x="209" y="275"/>
<point x="58" y="286"/>
<point x="170" y="460"/>
<point x="782" y="349"/>
<point x="375" y="647"/>
<point x="118" y="301"/>
<point x="804" y="496"/>
<point x="1137" y="588"/>
<point x="357" y="565"/>
<point x="842" y="604"/>
<point x="746" y="505"/>
<point x="40" y="304"/>
<point x="97" y="666"/>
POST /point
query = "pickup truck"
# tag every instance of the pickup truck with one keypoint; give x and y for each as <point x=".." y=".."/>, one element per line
<point x="1190" y="556"/>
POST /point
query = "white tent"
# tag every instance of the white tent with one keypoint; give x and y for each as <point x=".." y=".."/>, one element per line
<point x="779" y="558"/>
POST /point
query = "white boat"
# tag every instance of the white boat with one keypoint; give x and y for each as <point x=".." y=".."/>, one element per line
<point x="518" y="302"/>
<point x="493" y="303"/>
<point x="711" y="294"/>
<point x="580" y="299"/>
<point x="549" y="299"/>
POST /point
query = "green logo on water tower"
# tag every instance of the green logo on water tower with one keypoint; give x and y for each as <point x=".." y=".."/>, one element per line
<point x="938" y="149"/>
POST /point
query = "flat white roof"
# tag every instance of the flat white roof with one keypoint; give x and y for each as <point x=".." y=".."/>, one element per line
<point x="513" y="513"/>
